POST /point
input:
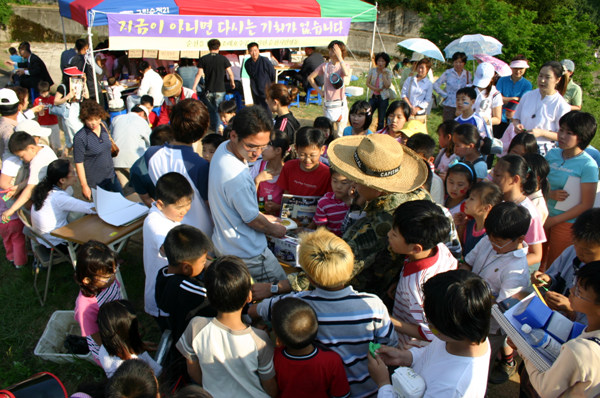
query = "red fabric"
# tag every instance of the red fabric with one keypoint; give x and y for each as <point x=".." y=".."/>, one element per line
<point x="46" y="119"/>
<point x="323" y="369"/>
<point x="165" y="109"/>
<point x="14" y="241"/>
<point x="297" y="8"/>
<point x="79" y="9"/>
<point x="267" y="188"/>
<point x="304" y="183"/>
<point x="410" y="267"/>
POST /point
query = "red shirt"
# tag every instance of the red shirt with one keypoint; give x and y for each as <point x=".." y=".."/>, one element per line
<point x="320" y="374"/>
<point x="46" y="119"/>
<point x="296" y="181"/>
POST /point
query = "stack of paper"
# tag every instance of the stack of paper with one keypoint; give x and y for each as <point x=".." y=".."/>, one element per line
<point x="115" y="210"/>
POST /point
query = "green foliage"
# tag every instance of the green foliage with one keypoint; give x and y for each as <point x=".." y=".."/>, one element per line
<point x="565" y="35"/>
<point x="5" y="12"/>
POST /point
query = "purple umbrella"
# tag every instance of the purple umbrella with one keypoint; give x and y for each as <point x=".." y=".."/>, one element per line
<point x="500" y="66"/>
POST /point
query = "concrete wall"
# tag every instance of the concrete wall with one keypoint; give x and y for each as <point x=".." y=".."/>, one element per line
<point x="49" y="17"/>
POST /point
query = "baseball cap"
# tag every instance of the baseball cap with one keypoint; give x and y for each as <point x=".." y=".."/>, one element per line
<point x="567" y="63"/>
<point x="33" y="128"/>
<point x="483" y="75"/>
<point x="8" y="97"/>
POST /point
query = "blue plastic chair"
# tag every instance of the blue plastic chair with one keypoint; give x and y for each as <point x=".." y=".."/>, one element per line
<point x="313" y="97"/>
<point x="116" y="112"/>
<point x="297" y="102"/>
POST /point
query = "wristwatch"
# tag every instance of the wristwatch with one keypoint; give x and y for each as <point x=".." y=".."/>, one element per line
<point x="274" y="288"/>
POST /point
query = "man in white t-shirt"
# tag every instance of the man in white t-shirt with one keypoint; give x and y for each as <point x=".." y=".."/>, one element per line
<point x="239" y="226"/>
<point x="23" y="145"/>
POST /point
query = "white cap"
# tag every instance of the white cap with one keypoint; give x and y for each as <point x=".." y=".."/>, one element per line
<point x="525" y="328"/>
<point x="483" y="75"/>
<point x="33" y="128"/>
<point x="8" y="97"/>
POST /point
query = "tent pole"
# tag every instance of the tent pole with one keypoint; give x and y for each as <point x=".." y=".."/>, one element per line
<point x="62" y="21"/>
<point x="373" y="42"/>
<point x="91" y="52"/>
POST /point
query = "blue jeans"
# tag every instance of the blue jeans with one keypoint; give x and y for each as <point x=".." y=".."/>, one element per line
<point x="379" y="104"/>
<point x="213" y="100"/>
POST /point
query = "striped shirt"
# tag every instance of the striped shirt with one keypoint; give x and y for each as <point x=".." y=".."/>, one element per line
<point x="330" y="213"/>
<point x="348" y="321"/>
<point x="408" y="303"/>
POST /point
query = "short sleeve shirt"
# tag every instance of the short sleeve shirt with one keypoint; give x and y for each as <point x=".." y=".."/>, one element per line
<point x="214" y="66"/>
<point x="304" y="183"/>
<point x="39" y="165"/>
<point x="94" y="152"/>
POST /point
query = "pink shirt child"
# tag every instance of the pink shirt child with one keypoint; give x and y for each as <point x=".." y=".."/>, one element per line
<point x="330" y="213"/>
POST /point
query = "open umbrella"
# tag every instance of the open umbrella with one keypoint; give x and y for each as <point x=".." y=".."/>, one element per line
<point x="500" y="66"/>
<point x="423" y="46"/>
<point x="474" y="44"/>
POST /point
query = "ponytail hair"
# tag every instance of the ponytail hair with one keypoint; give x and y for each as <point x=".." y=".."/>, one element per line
<point x="517" y="166"/>
<point x="119" y="329"/>
<point x="282" y="93"/>
<point x="56" y="170"/>
<point x="540" y="168"/>
<point x="560" y="72"/>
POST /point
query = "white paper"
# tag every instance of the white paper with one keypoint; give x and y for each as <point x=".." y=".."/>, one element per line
<point x="115" y="209"/>
<point x="573" y="187"/>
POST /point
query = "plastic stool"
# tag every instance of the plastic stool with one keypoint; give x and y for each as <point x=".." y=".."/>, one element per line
<point x="311" y="98"/>
<point x="297" y="102"/>
<point x="116" y="112"/>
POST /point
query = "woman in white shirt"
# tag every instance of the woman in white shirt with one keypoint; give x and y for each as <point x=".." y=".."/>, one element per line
<point x="540" y="110"/>
<point x="454" y="78"/>
<point x="418" y="91"/>
<point x="488" y="103"/>
<point x="52" y="203"/>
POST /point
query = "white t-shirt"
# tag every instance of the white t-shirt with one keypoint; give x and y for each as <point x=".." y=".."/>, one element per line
<point x="151" y="84"/>
<point x="447" y="375"/>
<point x="54" y="213"/>
<point x="132" y="135"/>
<point x="233" y="204"/>
<point x="39" y="165"/>
<point x="484" y="105"/>
<point x="535" y="112"/>
<point x="437" y="189"/>
<point x="110" y="363"/>
<point x="156" y="228"/>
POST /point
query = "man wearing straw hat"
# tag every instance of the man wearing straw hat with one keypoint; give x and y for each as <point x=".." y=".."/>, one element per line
<point x="386" y="175"/>
<point x="174" y="92"/>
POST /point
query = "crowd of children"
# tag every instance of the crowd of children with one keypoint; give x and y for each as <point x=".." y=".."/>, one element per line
<point x="434" y="312"/>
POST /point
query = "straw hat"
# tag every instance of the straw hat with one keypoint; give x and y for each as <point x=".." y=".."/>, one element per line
<point x="172" y="84"/>
<point x="379" y="162"/>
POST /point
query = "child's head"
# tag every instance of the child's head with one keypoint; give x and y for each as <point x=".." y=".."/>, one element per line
<point x="340" y="185"/>
<point x="419" y="225"/>
<point x="326" y="258"/>
<point x="576" y="130"/>
<point x="585" y="294"/>
<point x="465" y="99"/>
<point x="96" y="268"/>
<point x="23" y="96"/>
<point x="278" y="148"/>
<point x="482" y="197"/>
<point x="147" y="101"/>
<point x="445" y="131"/>
<point x="459" y="178"/>
<point x="512" y="173"/>
<point x="280" y="96"/>
<point x="210" y="143"/>
<point x="361" y="116"/>
<point x="186" y="249"/>
<point x="44" y="88"/>
<point x="112" y="81"/>
<point x="310" y="143"/>
<point x="324" y="124"/>
<point x="161" y="135"/>
<point x="228" y="284"/>
<point x="294" y="323"/>
<point x="192" y="391"/>
<point x="423" y="145"/>
<point x="119" y="329"/>
<point x="133" y="379"/>
<point x="467" y="140"/>
<point x="539" y="168"/>
<point x="174" y="196"/>
<point x="586" y="235"/>
<point x="22" y="145"/>
<point x="506" y="226"/>
<point x="396" y="115"/>
<point x="227" y="110"/>
<point x="12" y="51"/>
<point x="458" y="304"/>
<point x="523" y="143"/>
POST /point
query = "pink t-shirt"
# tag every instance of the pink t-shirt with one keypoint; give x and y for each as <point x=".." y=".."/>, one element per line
<point x="535" y="233"/>
<point x="330" y="213"/>
<point x="304" y="183"/>
<point x="331" y="93"/>
<point x="267" y="188"/>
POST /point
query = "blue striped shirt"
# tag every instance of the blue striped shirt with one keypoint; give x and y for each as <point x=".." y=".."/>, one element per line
<point x="348" y="321"/>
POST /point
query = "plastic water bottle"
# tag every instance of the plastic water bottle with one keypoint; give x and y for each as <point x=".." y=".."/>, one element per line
<point x="261" y="204"/>
<point x="538" y="338"/>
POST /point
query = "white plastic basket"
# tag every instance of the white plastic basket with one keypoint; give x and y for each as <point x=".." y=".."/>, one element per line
<point x="51" y="344"/>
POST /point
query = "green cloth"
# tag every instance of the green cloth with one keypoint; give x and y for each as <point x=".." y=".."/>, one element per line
<point x="574" y="94"/>
<point x="348" y="9"/>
